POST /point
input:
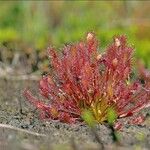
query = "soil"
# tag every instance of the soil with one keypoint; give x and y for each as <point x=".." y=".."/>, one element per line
<point x="58" y="135"/>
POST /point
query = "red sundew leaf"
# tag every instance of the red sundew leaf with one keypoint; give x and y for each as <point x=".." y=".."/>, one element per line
<point x="118" y="126"/>
<point x="50" y="80"/>
<point x="80" y="78"/>
<point x="66" y="118"/>
<point x="42" y="115"/>
<point x="37" y="103"/>
<point x="125" y="114"/>
<point x="137" y="120"/>
<point x="92" y="42"/>
<point x="44" y="87"/>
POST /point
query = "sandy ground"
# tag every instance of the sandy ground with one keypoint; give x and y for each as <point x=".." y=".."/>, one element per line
<point x="56" y="135"/>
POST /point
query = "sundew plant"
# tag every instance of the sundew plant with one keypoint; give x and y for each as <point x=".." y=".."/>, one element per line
<point x="82" y="79"/>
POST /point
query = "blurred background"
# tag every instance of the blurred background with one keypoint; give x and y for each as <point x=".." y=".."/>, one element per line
<point x="27" y="28"/>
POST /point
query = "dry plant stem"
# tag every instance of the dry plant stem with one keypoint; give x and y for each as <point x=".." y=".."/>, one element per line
<point x="15" y="59"/>
<point x="20" y="106"/>
<point x="3" y="65"/>
<point x="5" y="126"/>
<point x="93" y="129"/>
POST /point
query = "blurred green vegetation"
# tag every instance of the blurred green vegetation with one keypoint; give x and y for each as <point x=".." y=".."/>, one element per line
<point x="111" y="116"/>
<point x="34" y="25"/>
<point x="88" y="117"/>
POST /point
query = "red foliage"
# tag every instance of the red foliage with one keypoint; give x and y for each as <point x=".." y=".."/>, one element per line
<point x="81" y="78"/>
